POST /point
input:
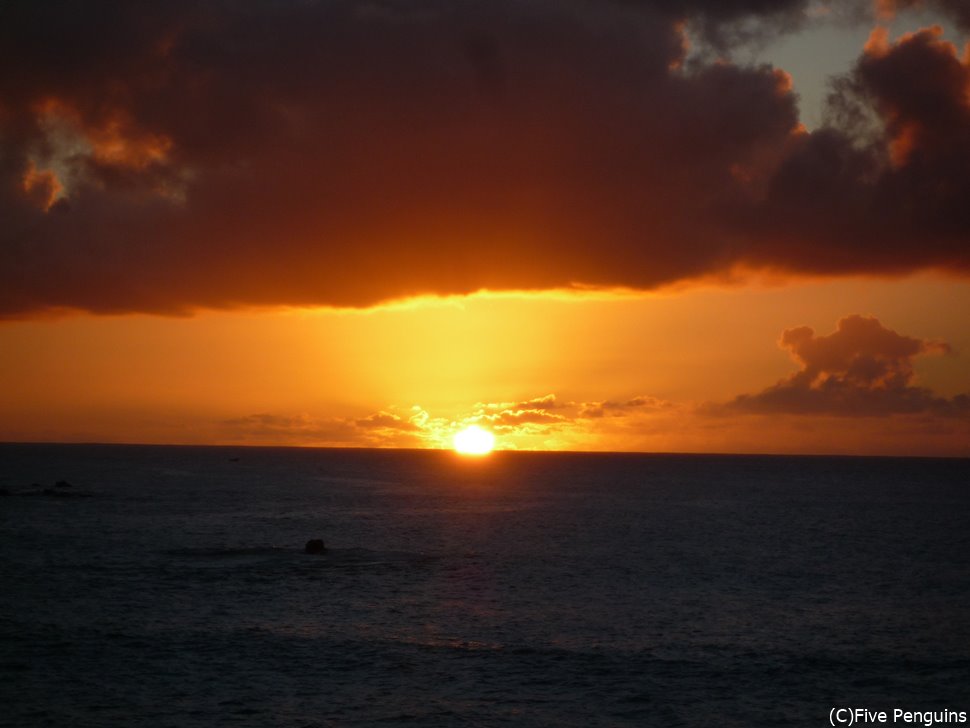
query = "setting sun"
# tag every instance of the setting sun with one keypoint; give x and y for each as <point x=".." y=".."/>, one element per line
<point x="474" y="440"/>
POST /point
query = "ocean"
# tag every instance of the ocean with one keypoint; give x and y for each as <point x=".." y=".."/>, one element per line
<point x="168" y="586"/>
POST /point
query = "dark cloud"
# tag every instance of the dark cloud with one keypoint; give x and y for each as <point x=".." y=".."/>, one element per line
<point x="205" y="154"/>
<point x="290" y="429"/>
<point x="884" y="187"/>
<point x="861" y="370"/>
<point x="386" y="421"/>
<point x="609" y="408"/>
<point x="380" y="429"/>
<point x="959" y="10"/>
<point x="723" y="9"/>
<point x="726" y="24"/>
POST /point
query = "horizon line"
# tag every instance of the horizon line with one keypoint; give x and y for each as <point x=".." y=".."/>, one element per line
<point x="497" y="451"/>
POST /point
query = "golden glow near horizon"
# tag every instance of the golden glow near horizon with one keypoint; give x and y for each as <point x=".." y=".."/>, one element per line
<point x="474" y="440"/>
<point x="522" y="366"/>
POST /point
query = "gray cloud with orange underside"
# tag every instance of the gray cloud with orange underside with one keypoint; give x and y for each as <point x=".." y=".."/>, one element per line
<point x="346" y="153"/>
<point x="862" y="369"/>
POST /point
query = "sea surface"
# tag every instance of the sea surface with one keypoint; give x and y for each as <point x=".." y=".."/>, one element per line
<point x="168" y="586"/>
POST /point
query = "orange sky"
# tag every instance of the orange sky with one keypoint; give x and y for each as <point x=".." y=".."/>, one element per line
<point x="323" y="377"/>
<point x="663" y="225"/>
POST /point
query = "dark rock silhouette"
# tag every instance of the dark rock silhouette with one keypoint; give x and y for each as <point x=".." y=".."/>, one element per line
<point x="62" y="484"/>
<point x="315" y="546"/>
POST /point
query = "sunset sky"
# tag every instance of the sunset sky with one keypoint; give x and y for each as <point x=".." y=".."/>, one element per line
<point x="650" y="225"/>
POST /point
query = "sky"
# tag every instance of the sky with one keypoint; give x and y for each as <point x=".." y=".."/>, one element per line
<point x="645" y="225"/>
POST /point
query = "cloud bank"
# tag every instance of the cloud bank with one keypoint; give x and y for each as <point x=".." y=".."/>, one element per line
<point x="343" y="152"/>
<point x="862" y="370"/>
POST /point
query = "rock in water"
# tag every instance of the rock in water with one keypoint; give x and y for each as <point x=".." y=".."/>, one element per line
<point x="315" y="546"/>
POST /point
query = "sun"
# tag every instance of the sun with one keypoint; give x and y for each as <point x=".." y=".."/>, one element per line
<point x="473" y="440"/>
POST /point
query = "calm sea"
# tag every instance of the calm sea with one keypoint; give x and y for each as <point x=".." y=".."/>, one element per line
<point x="532" y="589"/>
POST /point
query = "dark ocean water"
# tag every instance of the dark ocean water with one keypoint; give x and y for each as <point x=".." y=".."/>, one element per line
<point x="522" y="589"/>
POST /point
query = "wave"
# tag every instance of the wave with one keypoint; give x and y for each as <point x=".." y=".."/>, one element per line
<point x="349" y="557"/>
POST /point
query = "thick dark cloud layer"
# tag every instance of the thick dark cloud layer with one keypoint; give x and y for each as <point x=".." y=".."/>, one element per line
<point x="204" y="154"/>
<point x="860" y="370"/>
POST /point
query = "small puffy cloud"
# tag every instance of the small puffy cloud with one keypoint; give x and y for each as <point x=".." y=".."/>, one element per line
<point x="532" y="415"/>
<point x="515" y="418"/>
<point x="550" y="422"/>
<point x="546" y="402"/>
<point x="861" y="369"/>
